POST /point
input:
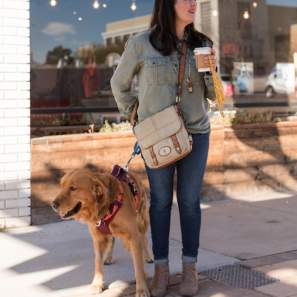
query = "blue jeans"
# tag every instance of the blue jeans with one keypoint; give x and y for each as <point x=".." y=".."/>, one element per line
<point x="190" y="172"/>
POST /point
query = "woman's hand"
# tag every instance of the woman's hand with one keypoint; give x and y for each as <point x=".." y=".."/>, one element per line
<point x="212" y="58"/>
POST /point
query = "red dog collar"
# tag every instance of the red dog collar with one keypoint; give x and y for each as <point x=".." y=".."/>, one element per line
<point x="103" y="224"/>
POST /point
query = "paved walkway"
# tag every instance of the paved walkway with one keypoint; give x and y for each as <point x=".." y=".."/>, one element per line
<point x="256" y="230"/>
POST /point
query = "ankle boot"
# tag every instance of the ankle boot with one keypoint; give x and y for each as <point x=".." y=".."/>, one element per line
<point x="189" y="283"/>
<point x="160" y="280"/>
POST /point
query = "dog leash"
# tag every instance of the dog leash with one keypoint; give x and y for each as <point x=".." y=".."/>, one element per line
<point x="136" y="151"/>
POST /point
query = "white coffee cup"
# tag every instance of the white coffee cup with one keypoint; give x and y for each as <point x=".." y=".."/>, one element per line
<point x="200" y="53"/>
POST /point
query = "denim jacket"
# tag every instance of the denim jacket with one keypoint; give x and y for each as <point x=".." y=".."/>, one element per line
<point x="157" y="79"/>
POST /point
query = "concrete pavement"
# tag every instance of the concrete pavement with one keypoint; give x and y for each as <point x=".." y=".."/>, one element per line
<point x="257" y="230"/>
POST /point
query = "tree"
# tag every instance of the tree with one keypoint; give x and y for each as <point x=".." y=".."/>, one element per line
<point x="99" y="52"/>
<point x="59" y="52"/>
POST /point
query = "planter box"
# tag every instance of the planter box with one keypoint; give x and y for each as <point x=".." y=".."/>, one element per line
<point x="243" y="157"/>
<point x="260" y="155"/>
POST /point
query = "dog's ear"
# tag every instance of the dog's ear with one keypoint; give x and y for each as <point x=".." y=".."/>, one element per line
<point x="99" y="189"/>
<point x="66" y="176"/>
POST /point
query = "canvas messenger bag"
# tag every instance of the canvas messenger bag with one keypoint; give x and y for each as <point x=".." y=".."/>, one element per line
<point x="163" y="137"/>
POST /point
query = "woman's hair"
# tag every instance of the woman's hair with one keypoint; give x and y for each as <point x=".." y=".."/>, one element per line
<point x="163" y="31"/>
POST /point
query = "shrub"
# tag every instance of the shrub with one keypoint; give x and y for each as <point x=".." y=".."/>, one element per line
<point x="114" y="127"/>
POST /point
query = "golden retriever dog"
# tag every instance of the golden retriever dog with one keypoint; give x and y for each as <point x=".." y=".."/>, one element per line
<point x="86" y="196"/>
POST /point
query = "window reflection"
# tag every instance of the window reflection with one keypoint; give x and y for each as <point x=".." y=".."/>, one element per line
<point x="74" y="71"/>
<point x="256" y="41"/>
<point x="77" y="44"/>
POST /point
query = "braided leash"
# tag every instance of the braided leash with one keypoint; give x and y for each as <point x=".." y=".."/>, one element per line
<point x="218" y="88"/>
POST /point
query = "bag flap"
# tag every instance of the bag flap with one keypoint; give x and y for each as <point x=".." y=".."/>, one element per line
<point x="157" y="127"/>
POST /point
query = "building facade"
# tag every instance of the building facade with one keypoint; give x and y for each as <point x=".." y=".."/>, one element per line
<point x="243" y="31"/>
<point x="120" y="31"/>
<point x="249" y="31"/>
<point x="14" y="113"/>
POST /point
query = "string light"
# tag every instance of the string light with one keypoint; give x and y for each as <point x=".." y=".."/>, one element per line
<point x="133" y="5"/>
<point x="53" y="3"/>
<point x="96" y="4"/>
<point x="255" y="4"/>
<point x="246" y="15"/>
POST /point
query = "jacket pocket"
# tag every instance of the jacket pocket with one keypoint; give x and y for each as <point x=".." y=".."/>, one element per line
<point x="159" y="70"/>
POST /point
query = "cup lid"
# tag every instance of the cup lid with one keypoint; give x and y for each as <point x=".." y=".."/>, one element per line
<point x="202" y="50"/>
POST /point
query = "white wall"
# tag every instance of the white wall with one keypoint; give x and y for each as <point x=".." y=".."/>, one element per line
<point x="14" y="113"/>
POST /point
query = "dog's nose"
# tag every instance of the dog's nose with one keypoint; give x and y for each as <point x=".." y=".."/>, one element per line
<point x="55" y="205"/>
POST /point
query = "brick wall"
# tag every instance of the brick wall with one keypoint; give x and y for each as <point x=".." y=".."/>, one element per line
<point x="14" y="113"/>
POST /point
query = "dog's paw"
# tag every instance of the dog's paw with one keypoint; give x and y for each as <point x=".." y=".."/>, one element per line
<point x="97" y="288"/>
<point x="108" y="261"/>
<point x="143" y="292"/>
<point x="149" y="260"/>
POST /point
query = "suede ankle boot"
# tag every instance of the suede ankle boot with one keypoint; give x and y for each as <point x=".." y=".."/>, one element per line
<point x="189" y="283"/>
<point x="160" y="280"/>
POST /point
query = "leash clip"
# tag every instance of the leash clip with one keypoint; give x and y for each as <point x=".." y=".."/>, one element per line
<point x="136" y="151"/>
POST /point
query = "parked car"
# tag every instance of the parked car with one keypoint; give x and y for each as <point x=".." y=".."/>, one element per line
<point x="281" y="80"/>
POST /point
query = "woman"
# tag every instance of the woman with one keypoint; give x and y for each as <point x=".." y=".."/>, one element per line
<point x="154" y="56"/>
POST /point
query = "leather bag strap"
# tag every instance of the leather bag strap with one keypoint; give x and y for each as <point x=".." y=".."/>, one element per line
<point x="181" y="71"/>
<point x="133" y="116"/>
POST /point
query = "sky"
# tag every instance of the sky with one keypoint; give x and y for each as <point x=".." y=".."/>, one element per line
<point x="292" y="3"/>
<point x="53" y="26"/>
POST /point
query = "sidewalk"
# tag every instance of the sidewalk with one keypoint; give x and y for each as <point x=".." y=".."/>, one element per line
<point x="252" y="238"/>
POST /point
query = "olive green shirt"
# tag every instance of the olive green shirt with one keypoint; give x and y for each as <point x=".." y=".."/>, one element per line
<point x="157" y="79"/>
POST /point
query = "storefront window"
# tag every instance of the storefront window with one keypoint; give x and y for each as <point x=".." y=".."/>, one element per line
<point x="76" y="45"/>
<point x="257" y="43"/>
